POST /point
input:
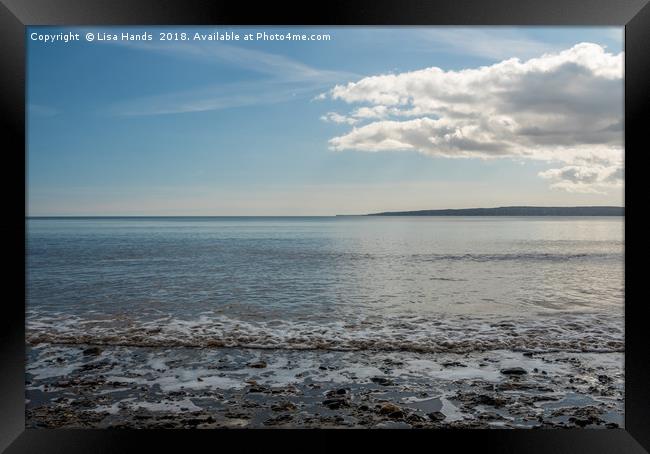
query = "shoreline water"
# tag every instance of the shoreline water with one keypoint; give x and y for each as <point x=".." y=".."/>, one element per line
<point x="310" y="322"/>
<point x="145" y="387"/>
<point x="423" y="333"/>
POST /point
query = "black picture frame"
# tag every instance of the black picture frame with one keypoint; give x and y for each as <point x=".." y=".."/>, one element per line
<point x="15" y="15"/>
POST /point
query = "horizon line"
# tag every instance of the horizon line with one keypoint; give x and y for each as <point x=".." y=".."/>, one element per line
<point x="82" y="216"/>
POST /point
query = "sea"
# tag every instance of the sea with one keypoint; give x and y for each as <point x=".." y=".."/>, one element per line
<point x="357" y="283"/>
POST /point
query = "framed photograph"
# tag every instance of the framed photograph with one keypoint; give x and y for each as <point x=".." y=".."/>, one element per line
<point x="393" y="220"/>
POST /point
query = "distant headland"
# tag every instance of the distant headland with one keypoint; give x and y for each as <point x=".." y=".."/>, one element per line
<point x="514" y="211"/>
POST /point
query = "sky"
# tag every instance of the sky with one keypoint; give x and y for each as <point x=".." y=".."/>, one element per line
<point x="372" y="119"/>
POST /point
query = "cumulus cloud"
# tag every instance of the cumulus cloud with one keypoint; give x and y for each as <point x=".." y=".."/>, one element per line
<point x="587" y="179"/>
<point x="564" y="108"/>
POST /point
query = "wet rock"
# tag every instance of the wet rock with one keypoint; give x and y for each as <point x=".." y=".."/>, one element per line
<point x="414" y="418"/>
<point x="436" y="416"/>
<point x="582" y="422"/>
<point x="393" y="362"/>
<point x="335" y="403"/>
<point x="236" y="415"/>
<point x="257" y="364"/>
<point x="453" y="364"/>
<point x="514" y="371"/>
<point x="284" y="406"/>
<point x="490" y="400"/>
<point x="471" y="399"/>
<point x="514" y="386"/>
<point x="92" y="351"/>
<point x="503" y="325"/>
<point x="257" y="389"/>
<point x="391" y="410"/>
<point x="336" y="392"/>
<point x="92" y="366"/>
<point x="383" y="381"/>
<point x="491" y="416"/>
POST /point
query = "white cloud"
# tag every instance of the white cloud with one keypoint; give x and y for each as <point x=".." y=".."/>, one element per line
<point x="576" y="178"/>
<point x="333" y="117"/>
<point x="564" y="107"/>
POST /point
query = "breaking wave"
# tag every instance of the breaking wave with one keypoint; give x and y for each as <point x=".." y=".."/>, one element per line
<point x="460" y="334"/>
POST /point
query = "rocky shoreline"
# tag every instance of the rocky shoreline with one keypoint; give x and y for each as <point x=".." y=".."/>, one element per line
<point x="89" y="386"/>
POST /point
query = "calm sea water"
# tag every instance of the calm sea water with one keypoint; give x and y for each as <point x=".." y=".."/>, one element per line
<point x="393" y="283"/>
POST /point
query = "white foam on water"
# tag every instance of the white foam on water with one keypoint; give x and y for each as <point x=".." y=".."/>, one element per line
<point x="452" y="412"/>
<point x="128" y="404"/>
<point x="576" y="332"/>
<point x="114" y="408"/>
<point x="168" y="406"/>
<point x="51" y="371"/>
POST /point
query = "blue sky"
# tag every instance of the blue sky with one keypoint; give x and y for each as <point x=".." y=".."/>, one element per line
<point x="239" y="128"/>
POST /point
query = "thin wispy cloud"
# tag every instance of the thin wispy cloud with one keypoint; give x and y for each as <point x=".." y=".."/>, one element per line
<point x="486" y="43"/>
<point x="217" y="97"/>
<point x="276" y="65"/>
<point x="282" y="79"/>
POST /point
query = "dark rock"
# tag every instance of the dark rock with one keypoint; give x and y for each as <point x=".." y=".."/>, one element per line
<point x="391" y="410"/>
<point x="580" y="422"/>
<point x="514" y="371"/>
<point x="453" y="364"/>
<point x="436" y="416"/>
<point x="383" y="381"/>
<point x="284" y="406"/>
<point x="236" y="415"/>
<point x="92" y="351"/>
<point x="414" y="418"/>
<point x="335" y="403"/>
<point x="490" y="400"/>
<point x="258" y="365"/>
